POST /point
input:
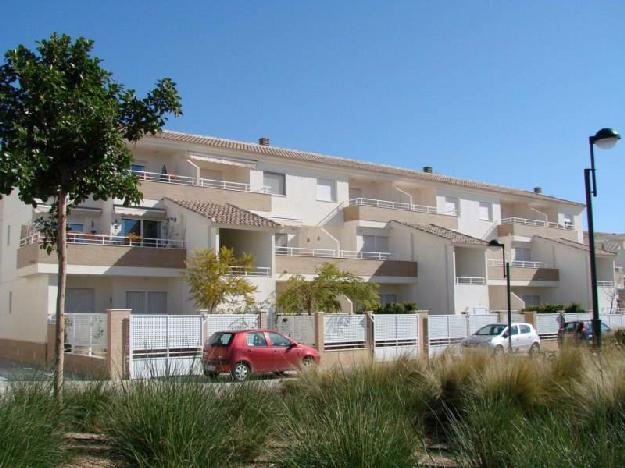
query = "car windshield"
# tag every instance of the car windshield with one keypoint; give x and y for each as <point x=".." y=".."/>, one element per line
<point x="220" y="339"/>
<point x="492" y="330"/>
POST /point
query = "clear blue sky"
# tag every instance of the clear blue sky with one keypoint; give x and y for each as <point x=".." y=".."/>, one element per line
<point x="503" y="92"/>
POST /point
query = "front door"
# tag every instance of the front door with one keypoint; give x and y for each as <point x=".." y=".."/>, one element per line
<point x="286" y="357"/>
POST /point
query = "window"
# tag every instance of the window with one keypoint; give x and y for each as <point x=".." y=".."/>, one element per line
<point x="451" y="205"/>
<point x="515" y="330"/>
<point x="485" y="211"/>
<point x="80" y="300"/>
<point x="568" y="220"/>
<point x="275" y="182"/>
<point x="147" y="302"/>
<point x="372" y="243"/>
<point x="531" y="299"/>
<point x="279" y="340"/>
<point x="144" y="228"/>
<point x="76" y="227"/>
<point x="282" y="239"/>
<point x="525" y="329"/>
<point x="256" y="339"/>
<point x="137" y="168"/>
<point x="326" y="190"/>
<point x="522" y="254"/>
<point x="388" y="299"/>
<point x="220" y="339"/>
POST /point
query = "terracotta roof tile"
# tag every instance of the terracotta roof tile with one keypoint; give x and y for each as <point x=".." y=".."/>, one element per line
<point x="454" y="236"/>
<point x="345" y="162"/>
<point x="226" y="214"/>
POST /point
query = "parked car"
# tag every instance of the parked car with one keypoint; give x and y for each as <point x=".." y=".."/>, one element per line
<point x="581" y="330"/>
<point x="245" y="352"/>
<point x="495" y="336"/>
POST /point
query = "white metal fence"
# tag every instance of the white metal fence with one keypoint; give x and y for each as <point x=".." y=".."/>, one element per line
<point x="299" y="327"/>
<point x="447" y="330"/>
<point x="345" y="331"/>
<point x="547" y="325"/>
<point x="221" y="322"/>
<point x="395" y="335"/>
<point x="86" y="333"/>
<point x="162" y="345"/>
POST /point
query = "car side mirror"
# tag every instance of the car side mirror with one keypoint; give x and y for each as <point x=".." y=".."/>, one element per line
<point x="292" y="344"/>
<point x="505" y="334"/>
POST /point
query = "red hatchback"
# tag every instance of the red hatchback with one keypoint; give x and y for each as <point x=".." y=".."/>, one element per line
<point x="246" y="352"/>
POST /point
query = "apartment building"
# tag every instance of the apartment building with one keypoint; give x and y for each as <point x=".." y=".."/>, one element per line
<point x="615" y="243"/>
<point x="423" y="237"/>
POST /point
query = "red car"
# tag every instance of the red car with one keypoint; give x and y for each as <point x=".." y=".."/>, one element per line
<point x="246" y="352"/>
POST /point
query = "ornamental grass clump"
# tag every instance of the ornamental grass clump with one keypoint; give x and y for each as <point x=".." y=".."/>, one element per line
<point x="31" y="423"/>
<point x="175" y="424"/>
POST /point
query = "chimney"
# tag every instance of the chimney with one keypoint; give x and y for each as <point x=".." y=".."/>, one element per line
<point x="538" y="190"/>
<point x="263" y="141"/>
<point x="427" y="169"/>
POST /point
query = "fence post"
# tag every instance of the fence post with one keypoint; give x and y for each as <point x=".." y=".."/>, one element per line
<point x="424" y="336"/>
<point x="263" y="322"/>
<point x="320" y="331"/>
<point x="370" y="333"/>
<point x="530" y="317"/>
<point x="115" y="342"/>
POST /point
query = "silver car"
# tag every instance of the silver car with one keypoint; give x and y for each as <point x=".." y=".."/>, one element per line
<point x="495" y="337"/>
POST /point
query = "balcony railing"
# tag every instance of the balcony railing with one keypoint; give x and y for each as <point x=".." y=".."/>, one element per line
<point x="470" y="280"/>
<point x="517" y="263"/>
<point x="254" y="271"/>
<point x="537" y="223"/>
<point x="198" y="182"/>
<point x="104" y="239"/>
<point x="331" y="253"/>
<point x="605" y="284"/>
<point x="399" y="206"/>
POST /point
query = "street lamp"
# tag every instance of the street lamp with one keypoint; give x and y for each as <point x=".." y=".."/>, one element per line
<point x="605" y="138"/>
<point x="506" y="275"/>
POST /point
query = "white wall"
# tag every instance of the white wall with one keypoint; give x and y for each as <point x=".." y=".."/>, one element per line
<point x="469" y="219"/>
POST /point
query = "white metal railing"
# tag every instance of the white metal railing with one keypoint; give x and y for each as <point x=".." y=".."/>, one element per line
<point x="199" y="181"/>
<point x="253" y="271"/>
<point x="470" y="280"/>
<point x="86" y="333"/>
<point x="399" y="206"/>
<point x="605" y="284"/>
<point x="537" y="223"/>
<point x="331" y="253"/>
<point x="105" y="239"/>
<point x="517" y="263"/>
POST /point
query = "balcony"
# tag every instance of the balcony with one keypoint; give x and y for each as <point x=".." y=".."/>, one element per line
<point x="106" y="251"/>
<point x="523" y="271"/>
<point x="371" y="209"/>
<point x="529" y="227"/>
<point x="294" y="260"/>
<point x="157" y="186"/>
<point x="254" y="271"/>
<point x="471" y="280"/>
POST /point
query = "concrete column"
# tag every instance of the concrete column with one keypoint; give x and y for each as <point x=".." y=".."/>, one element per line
<point x="424" y="339"/>
<point x="263" y="320"/>
<point x="530" y="317"/>
<point x="319" y="331"/>
<point x="117" y="346"/>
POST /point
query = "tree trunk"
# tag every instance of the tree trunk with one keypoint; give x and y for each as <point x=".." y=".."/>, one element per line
<point x="59" y="343"/>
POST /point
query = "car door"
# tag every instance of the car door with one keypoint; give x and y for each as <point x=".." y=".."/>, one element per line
<point x="258" y="352"/>
<point x="516" y="339"/>
<point x="525" y="337"/>
<point x="285" y="356"/>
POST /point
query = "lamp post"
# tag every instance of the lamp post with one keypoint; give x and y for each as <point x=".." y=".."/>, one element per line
<point x="605" y="138"/>
<point x="506" y="275"/>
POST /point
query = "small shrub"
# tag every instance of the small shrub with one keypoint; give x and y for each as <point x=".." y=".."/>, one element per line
<point x="397" y="308"/>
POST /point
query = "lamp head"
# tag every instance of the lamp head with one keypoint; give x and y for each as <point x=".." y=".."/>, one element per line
<point x="605" y="138"/>
<point x="495" y="243"/>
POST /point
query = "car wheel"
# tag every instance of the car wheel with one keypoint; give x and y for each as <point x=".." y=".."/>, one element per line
<point x="498" y="350"/>
<point x="534" y="348"/>
<point x="211" y="375"/>
<point x="241" y="371"/>
<point x="308" y="362"/>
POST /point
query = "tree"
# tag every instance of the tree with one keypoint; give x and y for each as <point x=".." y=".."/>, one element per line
<point x="64" y="128"/>
<point x="323" y="292"/>
<point x="215" y="279"/>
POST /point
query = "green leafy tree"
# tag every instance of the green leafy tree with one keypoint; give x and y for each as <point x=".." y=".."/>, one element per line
<point x="64" y="128"/>
<point x="215" y="279"/>
<point x="324" y="291"/>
